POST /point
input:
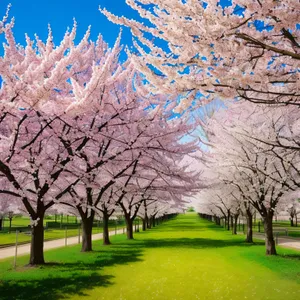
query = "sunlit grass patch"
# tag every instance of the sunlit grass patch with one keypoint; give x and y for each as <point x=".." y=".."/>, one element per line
<point x="202" y="261"/>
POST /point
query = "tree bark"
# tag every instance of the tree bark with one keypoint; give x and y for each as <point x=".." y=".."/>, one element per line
<point x="228" y="220"/>
<point x="292" y="221"/>
<point x="0" y="224"/>
<point x="148" y="223"/>
<point x="144" y="224"/>
<point x="234" y="228"/>
<point x="249" y="218"/>
<point x="269" y="237"/>
<point x="87" y="228"/>
<point x="153" y="221"/>
<point x="37" y="243"/>
<point x="129" y="227"/>
<point x="106" y="240"/>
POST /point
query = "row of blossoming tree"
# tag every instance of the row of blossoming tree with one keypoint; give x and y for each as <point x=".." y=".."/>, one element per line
<point x="78" y="129"/>
<point x="242" y="50"/>
<point x="245" y="169"/>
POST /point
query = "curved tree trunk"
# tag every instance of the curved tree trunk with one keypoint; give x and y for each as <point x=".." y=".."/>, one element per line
<point x="249" y="217"/>
<point x="269" y="237"/>
<point x="87" y="228"/>
<point x="37" y="243"/>
<point x="106" y="240"/>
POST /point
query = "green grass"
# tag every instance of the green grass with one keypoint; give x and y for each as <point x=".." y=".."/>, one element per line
<point x="8" y="239"/>
<point x="278" y="228"/>
<point x="16" y="222"/>
<point x="185" y="258"/>
<point x="23" y="221"/>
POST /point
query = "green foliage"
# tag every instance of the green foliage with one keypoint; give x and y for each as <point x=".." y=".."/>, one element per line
<point x="185" y="258"/>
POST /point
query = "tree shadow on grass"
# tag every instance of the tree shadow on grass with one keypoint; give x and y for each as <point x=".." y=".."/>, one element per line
<point x="182" y="226"/>
<point x="62" y="280"/>
<point x="290" y="256"/>
<point x="198" y="243"/>
<point x="52" y="287"/>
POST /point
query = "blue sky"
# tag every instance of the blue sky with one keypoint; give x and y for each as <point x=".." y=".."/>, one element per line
<point x="33" y="16"/>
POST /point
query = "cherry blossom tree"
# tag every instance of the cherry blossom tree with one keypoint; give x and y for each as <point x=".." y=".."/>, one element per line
<point x="262" y="177"/>
<point x="293" y="209"/>
<point x="159" y="168"/>
<point x="107" y="207"/>
<point x="48" y="93"/>
<point x="247" y="48"/>
<point x="134" y="130"/>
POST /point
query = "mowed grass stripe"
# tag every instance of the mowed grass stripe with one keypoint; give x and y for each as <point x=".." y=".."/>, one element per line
<point x="185" y="258"/>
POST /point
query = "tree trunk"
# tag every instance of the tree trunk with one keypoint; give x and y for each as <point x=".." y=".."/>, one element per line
<point x="37" y="243"/>
<point x="153" y="221"/>
<point x="144" y="224"/>
<point x="292" y="221"/>
<point x="129" y="227"/>
<point x="249" y="237"/>
<point x="234" y="228"/>
<point x="0" y="224"/>
<point x="269" y="237"/>
<point x="106" y="240"/>
<point x="87" y="228"/>
<point x="149" y="223"/>
<point x="296" y="221"/>
<point x="228" y="221"/>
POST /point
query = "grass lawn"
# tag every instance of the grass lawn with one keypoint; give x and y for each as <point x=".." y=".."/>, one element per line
<point x="281" y="227"/>
<point x="185" y="258"/>
<point x="7" y="239"/>
<point x="19" y="221"/>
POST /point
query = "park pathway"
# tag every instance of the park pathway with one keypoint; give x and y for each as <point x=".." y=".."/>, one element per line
<point x="292" y="243"/>
<point x="25" y="248"/>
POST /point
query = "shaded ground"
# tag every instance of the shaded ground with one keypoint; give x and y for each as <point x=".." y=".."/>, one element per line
<point x="186" y="258"/>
